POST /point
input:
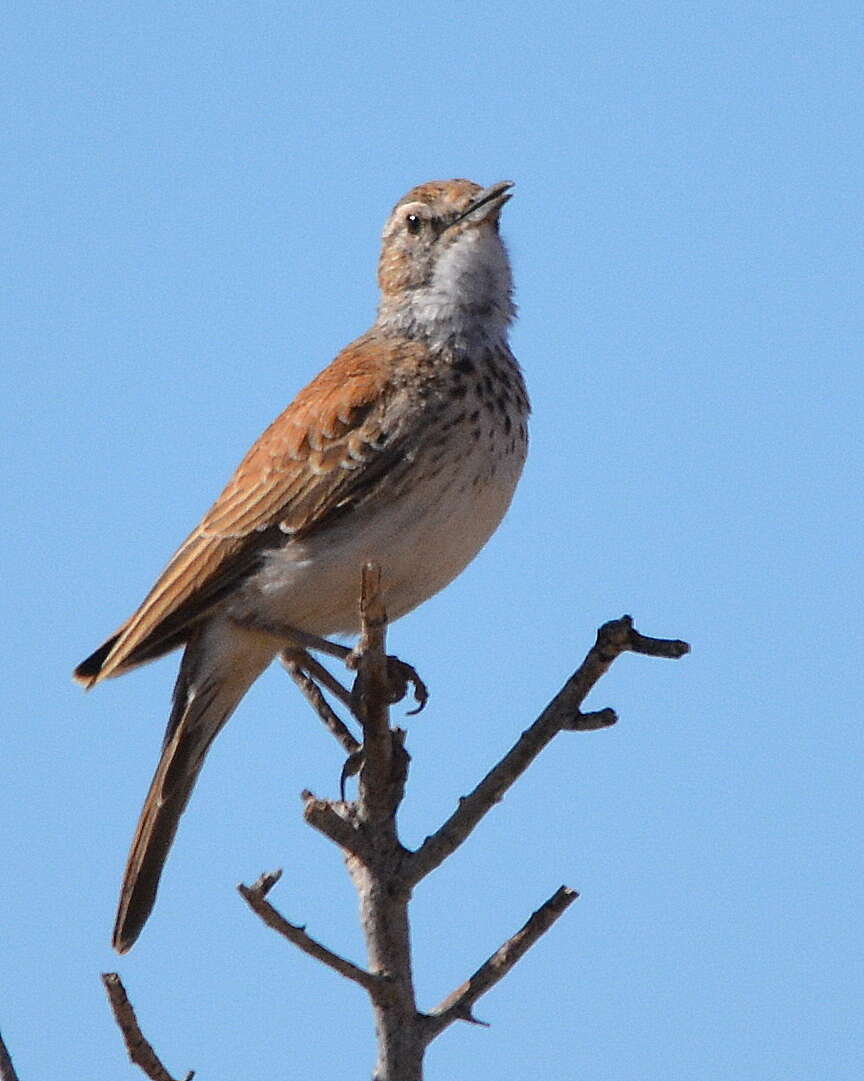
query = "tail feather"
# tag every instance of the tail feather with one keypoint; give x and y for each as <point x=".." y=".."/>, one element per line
<point x="88" y="670"/>
<point x="204" y="698"/>
<point x="154" y="836"/>
<point x="103" y="663"/>
<point x="175" y="777"/>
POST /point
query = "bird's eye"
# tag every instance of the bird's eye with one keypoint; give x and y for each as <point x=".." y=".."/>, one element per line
<point x="413" y="224"/>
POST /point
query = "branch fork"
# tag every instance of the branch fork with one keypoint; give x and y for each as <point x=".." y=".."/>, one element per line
<point x="385" y="873"/>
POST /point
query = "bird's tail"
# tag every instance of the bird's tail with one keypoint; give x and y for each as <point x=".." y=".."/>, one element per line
<point x="215" y="673"/>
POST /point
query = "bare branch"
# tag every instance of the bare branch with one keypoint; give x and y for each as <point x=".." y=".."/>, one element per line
<point x="322" y="814"/>
<point x="591" y="722"/>
<point x="457" y="1006"/>
<point x="370" y="657"/>
<point x="378" y="798"/>
<point x="255" y="897"/>
<point x="383" y="871"/>
<point x="613" y="638"/>
<point x="670" y="648"/>
<point x="264" y="883"/>
<point x="383" y="903"/>
<point x="305" y="670"/>
<point x="7" y="1070"/>
<point x="141" y="1052"/>
<point x="563" y="712"/>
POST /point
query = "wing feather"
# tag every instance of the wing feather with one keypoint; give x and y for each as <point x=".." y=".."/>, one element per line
<point x="324" y="454"/>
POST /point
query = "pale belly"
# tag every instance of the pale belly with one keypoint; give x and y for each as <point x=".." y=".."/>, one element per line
<point x="422" y="540"/>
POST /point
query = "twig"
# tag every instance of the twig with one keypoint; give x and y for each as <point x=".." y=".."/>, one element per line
<point x="613" y="638"/>
<point x="457" y="1006"/>
<point x="141" y="1052"/>
<point x="7" y="1070"/>
<point x="322" y="814"/>
<point x="255" y="897"/>
<point x="563" y="712"/>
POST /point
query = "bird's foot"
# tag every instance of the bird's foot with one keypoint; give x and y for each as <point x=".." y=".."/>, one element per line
<point x="401" y="676"/>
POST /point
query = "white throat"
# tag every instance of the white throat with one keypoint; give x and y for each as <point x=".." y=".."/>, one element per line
<point x="467" y="303"/>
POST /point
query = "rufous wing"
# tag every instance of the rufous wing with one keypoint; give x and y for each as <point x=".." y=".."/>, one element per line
<point x="324" y="454"/>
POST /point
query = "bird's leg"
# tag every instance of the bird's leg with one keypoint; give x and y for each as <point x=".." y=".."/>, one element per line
<point x="304" y="670"/>
<point x="400" y="674"/>
<point x="326" y="678"/>
<point x="293" y="636"/>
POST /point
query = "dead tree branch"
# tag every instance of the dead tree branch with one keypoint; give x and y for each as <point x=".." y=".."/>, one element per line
<point x="255" y="896"/>
<point x="337" y="821"/>
<point x="141" y="1052"/>
<point x="562" y="713"/>
<point x="385" y="762"/>
<point x="382" y="869"/>
<point x="383" y="909"/>
<point x="457" y="1006"/>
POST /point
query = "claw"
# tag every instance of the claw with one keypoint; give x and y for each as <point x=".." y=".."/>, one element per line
<point x="401" y="675"/>
<point x="352" y="766"/>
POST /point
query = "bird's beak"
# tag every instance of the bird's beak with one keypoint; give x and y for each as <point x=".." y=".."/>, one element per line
<point x="486" y="204"/>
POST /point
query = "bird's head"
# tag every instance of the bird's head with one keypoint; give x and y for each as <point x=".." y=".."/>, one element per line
<point x="444" y="271"/>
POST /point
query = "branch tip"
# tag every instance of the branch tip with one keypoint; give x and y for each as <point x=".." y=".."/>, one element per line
<point x="140" y="1050"/>
<point x="372" y="608"/>
<point x="467" y="1015"/>
<point x="296" y="934"/>
<point x="591" y="722"/>
<point x="458" y="1005"/>
<point x="323" y="816"/>
<point x="563" y="713"/>
<point x="265" y="882"/>
<point x="619" y="636"/>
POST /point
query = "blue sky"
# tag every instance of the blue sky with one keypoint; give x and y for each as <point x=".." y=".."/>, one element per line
<point x="192" y="199"/>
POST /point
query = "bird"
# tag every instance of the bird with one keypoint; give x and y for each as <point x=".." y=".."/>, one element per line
<point x="406" y="451"/>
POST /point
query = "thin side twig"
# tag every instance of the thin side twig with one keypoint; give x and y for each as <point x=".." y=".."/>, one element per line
<point x="323" y="816"/>
<point x="457" y="1006"/>
<point x="7" y="1070"/>
<point x="256" y="897"/>
<point x="562" y="713"/>
<point x="140" y="1050"/>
